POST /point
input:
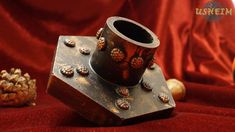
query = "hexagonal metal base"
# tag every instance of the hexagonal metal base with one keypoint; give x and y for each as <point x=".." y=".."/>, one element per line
<point x="94" y="98"/>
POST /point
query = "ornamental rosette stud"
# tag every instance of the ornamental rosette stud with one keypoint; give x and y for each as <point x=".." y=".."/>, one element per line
<point x="69" y="43"/>
<point x="85" y="51"/>
<point x="67" y="70"/>
<point x="101" y="43"/>
<point x="122" y="104"/>
<point x="117" y="55"/>
<point x="123" y="91"/>
<point x="137" y="62"/>
<point x="82" y="70"/>
<point x="163" y="97"/>
<point x="99" y="32"/>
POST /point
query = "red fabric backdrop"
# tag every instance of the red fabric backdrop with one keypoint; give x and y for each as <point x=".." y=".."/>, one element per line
<point x="192" y="49"/>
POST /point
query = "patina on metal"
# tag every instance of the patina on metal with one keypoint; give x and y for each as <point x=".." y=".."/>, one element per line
<point x="112" y="92"/>
<point x="131" y="47"/>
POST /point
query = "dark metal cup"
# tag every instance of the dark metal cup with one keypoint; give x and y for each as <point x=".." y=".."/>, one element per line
<point x="124" y="50"/>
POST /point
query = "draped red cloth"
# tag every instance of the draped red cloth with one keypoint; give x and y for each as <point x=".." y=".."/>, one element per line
<point x="197" y="51"/>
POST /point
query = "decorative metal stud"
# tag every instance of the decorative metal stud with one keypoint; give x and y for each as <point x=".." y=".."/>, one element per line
<point x="151" y="65"/>
<point x="82" y="70"/>
<point x="67" y="71"/>
<point x="69" y="43"/>
<point x="122" y="104"/>
<point x="117" y="55"/>
<point x="137" y="62"/>
<point x="146" y="86"/>
<point x="163" y="97"/>
<point x="101" y="43"/>
<point x="85" y="51"/>
<point x="123" y="91"/>
<point x="98" y="33"/>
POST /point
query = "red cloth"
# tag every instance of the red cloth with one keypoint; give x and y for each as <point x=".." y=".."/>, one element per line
<point x="192" y="49"/>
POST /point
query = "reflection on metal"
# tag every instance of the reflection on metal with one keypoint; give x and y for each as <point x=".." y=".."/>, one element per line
<point x="151" y="65"/>
<point x="82" y="80"/>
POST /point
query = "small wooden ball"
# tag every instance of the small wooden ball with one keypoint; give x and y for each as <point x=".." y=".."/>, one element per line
<point x="177" y="89"/>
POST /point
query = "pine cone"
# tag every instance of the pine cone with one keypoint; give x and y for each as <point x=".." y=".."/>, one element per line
<point x="16" y="89"/>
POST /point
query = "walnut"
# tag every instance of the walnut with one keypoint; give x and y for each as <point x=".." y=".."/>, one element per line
<point x="16" y="89"/>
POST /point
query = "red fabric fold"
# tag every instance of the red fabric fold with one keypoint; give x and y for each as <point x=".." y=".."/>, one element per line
<point x="197" y="51"/>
